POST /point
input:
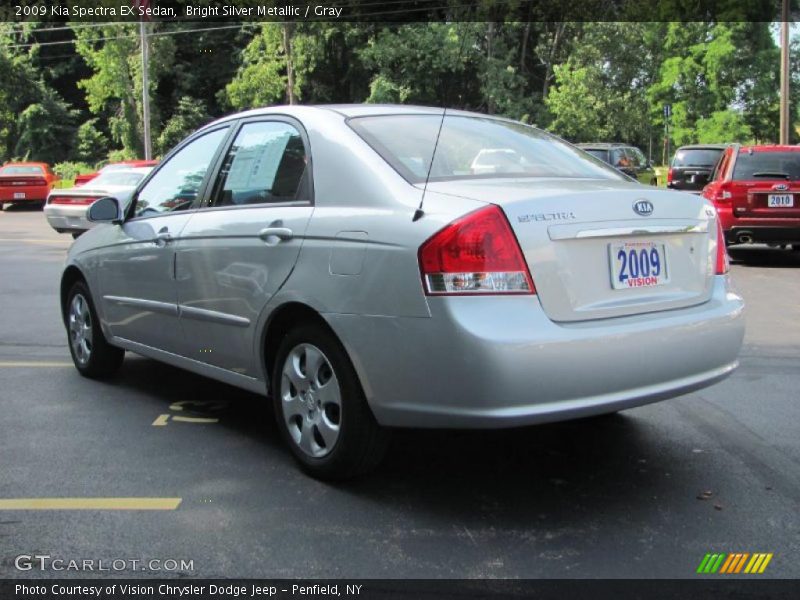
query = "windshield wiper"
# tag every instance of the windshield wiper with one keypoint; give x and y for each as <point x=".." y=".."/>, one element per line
<point x="772" y="174"/>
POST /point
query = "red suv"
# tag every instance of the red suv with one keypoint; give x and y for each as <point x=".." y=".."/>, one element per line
<point x="756" y="190"/>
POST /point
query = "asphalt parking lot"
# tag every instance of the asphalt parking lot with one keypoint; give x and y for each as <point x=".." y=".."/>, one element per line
<point x="646" y="493"/>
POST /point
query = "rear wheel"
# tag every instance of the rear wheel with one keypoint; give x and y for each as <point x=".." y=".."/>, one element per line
<point x="93" y="356"/>
<point x="321" y="409"/>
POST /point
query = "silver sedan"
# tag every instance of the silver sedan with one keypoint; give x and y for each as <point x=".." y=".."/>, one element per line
<point x="353" y="264"/>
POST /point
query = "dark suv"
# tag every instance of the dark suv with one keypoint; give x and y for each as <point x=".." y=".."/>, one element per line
<point x="628" y="159"/>
<point x="692" y="166"/>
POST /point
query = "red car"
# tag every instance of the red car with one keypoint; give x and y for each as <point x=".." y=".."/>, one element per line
<point x="756" y="190"/>
<point x="125" y="164"/>
<point x="28" y="182"/>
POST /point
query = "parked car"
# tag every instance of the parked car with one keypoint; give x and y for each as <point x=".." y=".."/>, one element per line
<point x="25" y="182"/>
<point x="628" y="159"/>
<point x="692" y="166"/>
<point x="85" y="178"/>
<point x="327" y="260"/>
<point x="66" y="209"/>
<point x="756" y="190"/>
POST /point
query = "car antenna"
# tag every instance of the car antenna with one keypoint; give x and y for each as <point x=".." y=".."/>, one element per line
<point x="419" y="212"/>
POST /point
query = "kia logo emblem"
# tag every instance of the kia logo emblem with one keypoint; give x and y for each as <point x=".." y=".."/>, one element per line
<point x="643" y="207"/>
<point x="780" y="187"/>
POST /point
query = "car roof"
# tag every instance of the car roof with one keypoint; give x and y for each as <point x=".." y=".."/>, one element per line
<point x="353" y="110"/>
<point x="769" y="148"/>
<point x="604" y="145"/>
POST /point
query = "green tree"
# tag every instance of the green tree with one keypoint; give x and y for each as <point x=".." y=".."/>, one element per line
<point x="91" y="144"/>
<point x="45" y="129"/>
<point x="189" y="115"/>
<point x="600" y="91"/>
<point x="114" y="90"/>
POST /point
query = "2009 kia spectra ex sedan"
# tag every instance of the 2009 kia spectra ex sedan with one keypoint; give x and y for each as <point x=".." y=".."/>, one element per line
<point x="350" y="263"/>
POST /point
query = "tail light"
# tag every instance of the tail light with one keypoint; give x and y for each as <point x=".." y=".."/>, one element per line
<point x="723" y="265"/>
<point x="722" y="194"/>
<point x="669" y="175"/>
<point x="476" y="254"/>
<point x="79" y="200"/>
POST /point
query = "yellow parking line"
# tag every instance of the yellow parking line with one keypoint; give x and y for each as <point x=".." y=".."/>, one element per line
<point x="161" y="420"/>
<point x="90" y="503"/>
<point x="36" y="364"/>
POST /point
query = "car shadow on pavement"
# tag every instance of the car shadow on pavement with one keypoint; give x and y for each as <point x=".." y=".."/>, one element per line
<point x="556" y="472"/>
<point x="764" y="257"/>
<point x="30" y="207"/>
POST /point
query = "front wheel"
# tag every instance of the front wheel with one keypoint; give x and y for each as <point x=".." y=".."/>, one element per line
<point x="321" y="409"/>
<point x="93" y="356"/>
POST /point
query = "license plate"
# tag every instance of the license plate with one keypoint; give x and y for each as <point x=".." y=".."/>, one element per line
<point x="780" y="201"/>
<point x="637" y="264"/>
<point x="19" y="195"/>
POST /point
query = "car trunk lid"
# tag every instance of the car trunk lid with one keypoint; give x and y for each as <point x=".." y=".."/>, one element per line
<point x="765" y="199"/>
<point x="573" y="234"/>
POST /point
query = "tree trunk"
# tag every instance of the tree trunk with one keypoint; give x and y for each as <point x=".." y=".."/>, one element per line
<point x="548" y="74"/>
<point x="288" y="31"/>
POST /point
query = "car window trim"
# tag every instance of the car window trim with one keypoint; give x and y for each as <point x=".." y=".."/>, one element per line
<point x="230" y="125"/>
<point x="205" y="205"/>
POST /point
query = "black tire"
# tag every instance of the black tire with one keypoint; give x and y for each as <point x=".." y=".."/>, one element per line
<point x="102" y="359"/>
<point x="360" y="442"/>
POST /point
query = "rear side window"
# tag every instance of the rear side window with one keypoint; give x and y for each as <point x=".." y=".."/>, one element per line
<point x="472" y="148"/>
<point x="267" y="163"/>
<point x="601" y="154"/>
<point x="767" y="165"/>
<point x="696" y="157"/>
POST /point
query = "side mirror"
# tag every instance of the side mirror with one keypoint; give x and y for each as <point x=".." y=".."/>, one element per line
<point x="105" y="210"/>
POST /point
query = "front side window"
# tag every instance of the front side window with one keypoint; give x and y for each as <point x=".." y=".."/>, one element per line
<point x="267" y="163"/>
<point x="176" y="184"/>
<point x="472" y="148"/>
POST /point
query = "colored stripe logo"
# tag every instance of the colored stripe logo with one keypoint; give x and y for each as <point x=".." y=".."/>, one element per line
<point x="737" y="562"/>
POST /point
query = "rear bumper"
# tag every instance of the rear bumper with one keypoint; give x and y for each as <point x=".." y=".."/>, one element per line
<point x="758" y="230"/>
<point x="67" y="218"/>
<point x="32" y="194"/>
<point x="492" y="363"/>
<point x="742" y="234"/>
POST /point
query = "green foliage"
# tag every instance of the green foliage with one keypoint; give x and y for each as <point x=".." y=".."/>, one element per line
<point x="68" y="170"/>
<point x="604" y="81"/>
<point x="91" y="144"/>
<point x="115" y="86"/>
<point x="189" y="115"/>
<point x="261" y="79"/>
<point x="723" y="126"/>
<point x="45" y="128"/>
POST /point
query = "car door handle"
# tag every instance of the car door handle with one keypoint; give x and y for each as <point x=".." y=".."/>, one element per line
<point x="282" y="233"/>
<point x="163" y="238"/>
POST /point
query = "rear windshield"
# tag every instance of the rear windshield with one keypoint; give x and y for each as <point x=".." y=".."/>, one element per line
<point x="118" y="177"/>
<point x="767" y="165"/>
<point x="697" y="157"/>
<point x="20" y="170"/>
<point x="473" y="148"/>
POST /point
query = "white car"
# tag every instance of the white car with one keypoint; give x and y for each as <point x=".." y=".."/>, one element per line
<point x="66" y="209"/>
